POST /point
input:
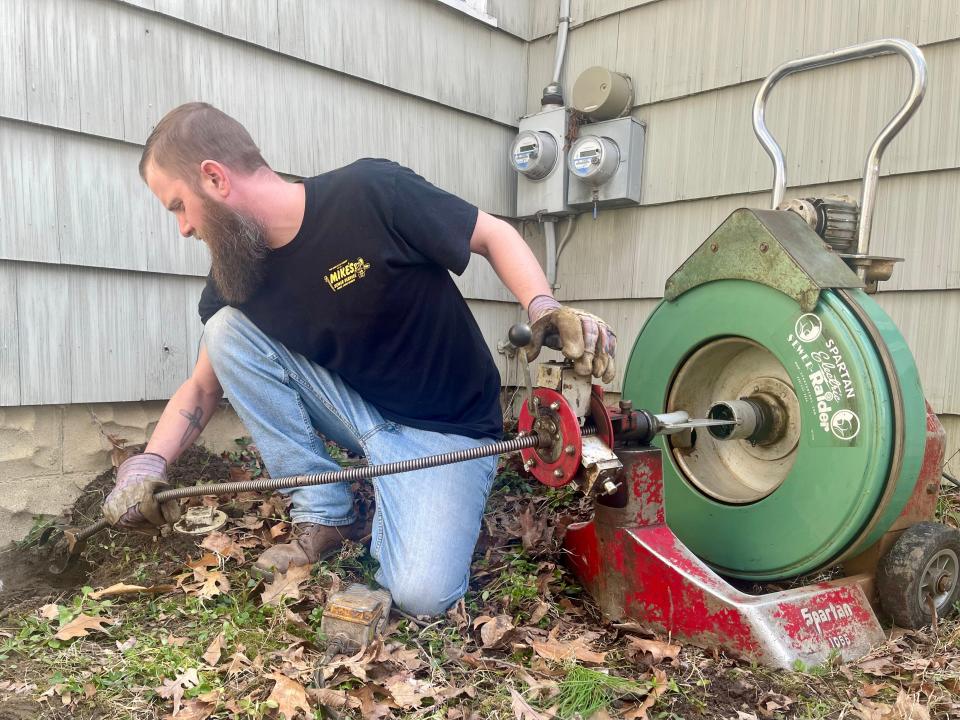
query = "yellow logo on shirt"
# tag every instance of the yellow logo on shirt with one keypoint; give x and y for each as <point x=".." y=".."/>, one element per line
<point x="346" y="272"/>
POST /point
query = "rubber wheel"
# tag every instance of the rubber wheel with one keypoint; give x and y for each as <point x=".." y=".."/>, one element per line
<point x="924" y="562"/>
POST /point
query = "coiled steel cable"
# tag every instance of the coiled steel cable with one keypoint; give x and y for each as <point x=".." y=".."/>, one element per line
<point x="363" y="472"/>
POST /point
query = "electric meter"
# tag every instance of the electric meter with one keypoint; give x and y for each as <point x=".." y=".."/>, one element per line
<point x="534" y="154"/>
<point x="594" y="159"/>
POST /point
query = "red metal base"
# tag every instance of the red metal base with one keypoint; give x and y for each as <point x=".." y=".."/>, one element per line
<point x="635" y="567"/>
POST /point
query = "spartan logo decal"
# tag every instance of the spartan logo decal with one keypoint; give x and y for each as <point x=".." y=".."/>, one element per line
<point x="808" y="327"/>
<point x="345" y="273"/>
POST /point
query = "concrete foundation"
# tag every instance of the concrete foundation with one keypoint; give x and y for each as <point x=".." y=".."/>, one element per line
<point x="48" y="453"/>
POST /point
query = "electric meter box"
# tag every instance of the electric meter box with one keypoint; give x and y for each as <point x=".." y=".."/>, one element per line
<point x="605" y="163"/>
<point x="539" y="159"/>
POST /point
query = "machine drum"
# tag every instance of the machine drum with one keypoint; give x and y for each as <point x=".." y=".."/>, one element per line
<point x="819" y="462"/>
<point x="919" y="575"/>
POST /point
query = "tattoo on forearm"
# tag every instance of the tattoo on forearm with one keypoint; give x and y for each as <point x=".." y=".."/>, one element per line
<point x="193" y="423"/>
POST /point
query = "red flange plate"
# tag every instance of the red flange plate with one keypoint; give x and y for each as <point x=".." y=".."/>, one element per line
<point x="552" y="465"/>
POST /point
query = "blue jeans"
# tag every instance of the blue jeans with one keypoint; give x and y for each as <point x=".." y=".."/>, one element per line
<point x="426" y="522"/>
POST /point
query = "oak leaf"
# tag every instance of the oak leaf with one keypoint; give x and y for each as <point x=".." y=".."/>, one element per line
<point x="214" y="583"/>
<point x="174" y="689"/>
<point x="204" y="561"/>
<point x="82" y="625"/>
<point x="285" y="585"/>
<point x="909" y="709"/>
<point x="237" y="664"/>
<point x="212" y="655"/>
<point x="532" y="530"/>
<point x="223" y="545"/>
<point x="335" y="699"/>
<point x="521" y="708"/>
<point x="290" y="697"/>
<point x="356" y="664"/>
<point x="120" y="589"/>
<point x="657" y="649"/>
<point x="567" y="650"/>
<point x="372" y="707"/>
<point x="409" y="692"/>
<point x="49" y="612"/>
<point x="404" y="657"/>
<point x="249" y="522"/>
<point x="496" y="633"/>
<point x="658" y="688"/>
<point x="193" y="710"/>
<point x="539" y="612"/>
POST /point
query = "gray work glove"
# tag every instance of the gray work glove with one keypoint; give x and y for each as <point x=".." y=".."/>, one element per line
<point x="130" y="505"/>
<point x="585" y="338"/>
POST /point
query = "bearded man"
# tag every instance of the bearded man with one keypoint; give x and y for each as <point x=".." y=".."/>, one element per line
<point x="330" y="311"/>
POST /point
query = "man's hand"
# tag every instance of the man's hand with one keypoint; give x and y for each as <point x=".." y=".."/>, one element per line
<point x="131" y="505"/>
<point x="586" y="339"/>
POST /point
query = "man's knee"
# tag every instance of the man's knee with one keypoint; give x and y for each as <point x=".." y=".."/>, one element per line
<point x="222" y="329"/>
<point x="419" y="594"/>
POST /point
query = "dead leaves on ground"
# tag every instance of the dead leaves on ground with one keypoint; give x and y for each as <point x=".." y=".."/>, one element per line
<point x="122" y="589"/>
<point x="174" y="689"/>
<point x="224" y="546"/>
<point x="82" y="625"/>
<point x="285" y="585"/>
<point x="212" y="655"/>
<point x="569" y="649"/>
<point x="527" y="632"/>
<point x="290" y="696"/>
<point x="920" y="667"/>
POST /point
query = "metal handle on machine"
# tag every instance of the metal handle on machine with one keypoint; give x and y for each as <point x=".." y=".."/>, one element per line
<point x="871" y="171"/>
<point x="519" y="336"/>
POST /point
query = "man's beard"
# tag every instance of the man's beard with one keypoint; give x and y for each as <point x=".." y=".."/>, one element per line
<point x="238" y="247"/>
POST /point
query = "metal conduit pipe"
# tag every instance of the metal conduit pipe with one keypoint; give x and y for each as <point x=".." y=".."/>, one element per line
<point x="553" y="93"/>
<point x="555" y="249"/>
<point x="550" y="243"/>
<point x="563" y="27"/>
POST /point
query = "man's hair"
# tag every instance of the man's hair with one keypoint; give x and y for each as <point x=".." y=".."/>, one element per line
<point x="197" y="131"/>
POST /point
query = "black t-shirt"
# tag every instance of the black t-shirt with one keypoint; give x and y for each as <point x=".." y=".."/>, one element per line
<point x="364" y="291"/>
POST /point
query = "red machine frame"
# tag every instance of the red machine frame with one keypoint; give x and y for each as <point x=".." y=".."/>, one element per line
<point x="635" y="567"/>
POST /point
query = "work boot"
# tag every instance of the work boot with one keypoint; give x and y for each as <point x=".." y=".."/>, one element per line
<point x="311" y="544"/>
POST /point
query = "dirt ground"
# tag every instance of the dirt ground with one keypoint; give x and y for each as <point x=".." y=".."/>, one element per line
<point x="24" y="577"/>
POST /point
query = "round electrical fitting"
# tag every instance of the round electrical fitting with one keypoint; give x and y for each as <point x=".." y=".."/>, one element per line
<point x="534" y="154"/>
<point x="200" y="521"/>
<point x="602" y="94"/>
<point x="594" y="159"/>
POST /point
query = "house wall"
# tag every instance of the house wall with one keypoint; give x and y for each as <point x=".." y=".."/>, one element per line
<point x="696" y="67"/>
<point x="98" y="290"/>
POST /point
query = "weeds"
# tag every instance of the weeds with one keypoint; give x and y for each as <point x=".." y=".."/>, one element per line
<point x="583" y="691"/>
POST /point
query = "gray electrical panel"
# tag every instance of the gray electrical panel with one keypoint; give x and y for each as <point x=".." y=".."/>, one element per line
<point x="539" y="157"/>
<point x="605" y="164"/>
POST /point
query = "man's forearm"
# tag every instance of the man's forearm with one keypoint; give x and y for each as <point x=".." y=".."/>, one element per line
<point x="511" y="259"/>
<point x="182" y="421"/>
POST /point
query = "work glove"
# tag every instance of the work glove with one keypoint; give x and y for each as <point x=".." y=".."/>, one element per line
<point x="131" y="505"/>
<point x="584" y="338"/>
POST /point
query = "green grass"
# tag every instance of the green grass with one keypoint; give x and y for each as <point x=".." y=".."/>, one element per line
<point x="584" y="691"/>
<point x="96" y="661"/>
